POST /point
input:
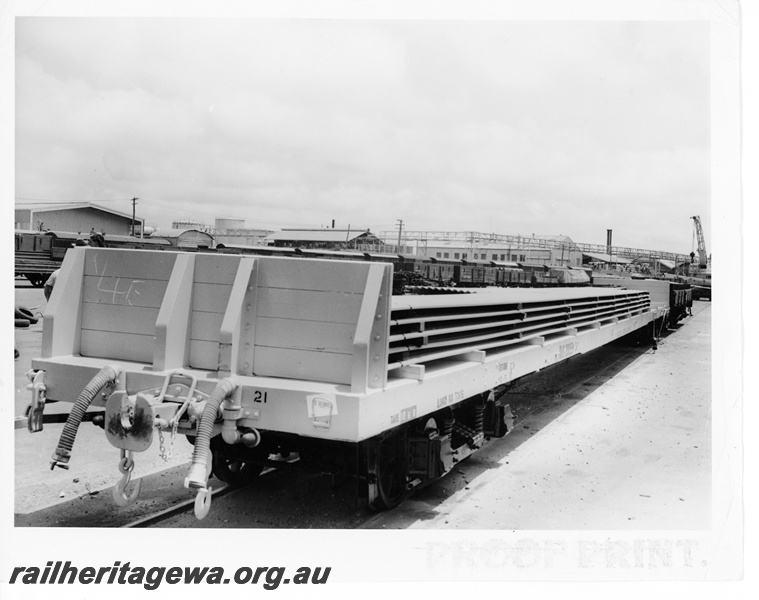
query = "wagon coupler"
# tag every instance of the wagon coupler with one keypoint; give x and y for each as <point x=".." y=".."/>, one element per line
<point x="130" y="420"/>
<point x="36" y="408"/>
<point x="126" y="465"/>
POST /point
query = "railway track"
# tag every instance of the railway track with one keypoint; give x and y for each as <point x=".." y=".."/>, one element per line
<point x="188" y="505"/>
<point x="163" y="515"/>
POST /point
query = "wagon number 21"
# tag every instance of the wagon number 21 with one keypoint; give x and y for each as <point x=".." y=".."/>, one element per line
<point x="259" y="396"/>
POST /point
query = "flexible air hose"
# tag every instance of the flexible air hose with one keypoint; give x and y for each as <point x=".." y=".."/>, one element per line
<point x="66" y="442"/>
<point x="198" y="470"/>
<point x="24" y="313"/>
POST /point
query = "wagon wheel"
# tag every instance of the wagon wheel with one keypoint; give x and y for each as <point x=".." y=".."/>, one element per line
<point x="36" y="280"/>
<point x="389" y="466"/>
<point x="232" y="469"/>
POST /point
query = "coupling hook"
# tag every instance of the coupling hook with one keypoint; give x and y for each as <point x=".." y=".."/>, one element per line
<point x="126" y="465"/>
<point x="203" y="503"/>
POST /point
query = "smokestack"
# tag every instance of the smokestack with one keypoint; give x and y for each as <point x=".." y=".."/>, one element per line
<point x="608" y="244"/>
<point x="333" y="223"/>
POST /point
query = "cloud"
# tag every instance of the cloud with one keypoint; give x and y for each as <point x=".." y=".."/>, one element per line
<point x="544" y="127"/>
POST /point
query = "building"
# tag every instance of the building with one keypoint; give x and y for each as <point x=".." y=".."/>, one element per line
<point x="546" y="249"/>
<point x="234" y="232"/>
<point x="499" y="252"/>
<point x="614" y="260"/>
<point x="187" y="238"/>
<point x="644" y="265"/>
<point x="79" y="217"/>
<point x="189" y="225"/>
<point x="227" y="231"/>
<point x="327" y="239"/>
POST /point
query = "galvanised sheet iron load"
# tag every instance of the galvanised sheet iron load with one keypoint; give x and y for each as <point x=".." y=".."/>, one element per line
<point x="257" y="357"/>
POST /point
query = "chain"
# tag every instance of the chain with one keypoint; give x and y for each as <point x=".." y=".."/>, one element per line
<point x="166" y="456"/>
<point x="174" y="421"/>
<point x="173" y="436"/>
<point x="161" y="447"/>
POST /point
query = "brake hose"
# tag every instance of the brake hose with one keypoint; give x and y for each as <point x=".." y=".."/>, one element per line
<point x="62" y="453"/>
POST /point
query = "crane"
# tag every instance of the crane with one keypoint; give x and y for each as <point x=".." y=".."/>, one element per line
<point x="702" y="259"/>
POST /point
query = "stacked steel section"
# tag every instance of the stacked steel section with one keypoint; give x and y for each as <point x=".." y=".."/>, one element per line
<point x="429" y="328"/>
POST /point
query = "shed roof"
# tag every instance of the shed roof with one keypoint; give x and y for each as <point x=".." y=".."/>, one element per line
<point x="37" y="207"/>
<point x="175" y="233"/>
<point x="331" y="253"/>
<point x="507" y="264"/>
<point x="606" y="258"/>
<point x="319" y="235"/>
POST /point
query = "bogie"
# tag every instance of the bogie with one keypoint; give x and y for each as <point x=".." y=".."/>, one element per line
<point x="235" y="465"/>
<point x="430" y="446"/>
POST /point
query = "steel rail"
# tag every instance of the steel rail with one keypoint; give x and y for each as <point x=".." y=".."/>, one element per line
<point x="188" y="505"/>
<point x="177" y="509"/>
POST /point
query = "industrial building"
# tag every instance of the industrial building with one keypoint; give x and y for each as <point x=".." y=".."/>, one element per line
<point x="234" y="231"/>
<point x="80" y="217"/>
<point x="554" y="250"/>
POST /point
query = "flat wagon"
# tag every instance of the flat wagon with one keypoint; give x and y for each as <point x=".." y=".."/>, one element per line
<point x="251" y="357"/>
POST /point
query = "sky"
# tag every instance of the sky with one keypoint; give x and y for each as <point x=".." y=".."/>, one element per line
<point x="542" y="127"/>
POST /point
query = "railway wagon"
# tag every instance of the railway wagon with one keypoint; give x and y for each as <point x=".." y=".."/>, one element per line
<point x="440" y="271"/>
<point x="509" y="274"/>
<point x="254" y="357"/>
<point x="63" y="240"/>
<point x="39" y="253"/>
<point x="416" y="271"/>
<point x="512" y="278"/>
<point x="553" y="275"/>
<point x="33" y="258"/>
<point x="701" y="285"/>
<point x="675" y="297"/>
<point x="474" y="273"/>
<point x="570" y="275"/>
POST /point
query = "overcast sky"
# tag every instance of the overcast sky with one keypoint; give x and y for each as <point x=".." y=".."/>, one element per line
<point x="512" y="127"/>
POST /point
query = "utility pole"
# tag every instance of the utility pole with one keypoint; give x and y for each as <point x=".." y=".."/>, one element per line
<point x="400" y="230"/>
<point x="134" y="206"/>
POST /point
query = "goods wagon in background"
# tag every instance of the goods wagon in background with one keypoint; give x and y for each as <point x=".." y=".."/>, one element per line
<point x="39" y="253"/>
